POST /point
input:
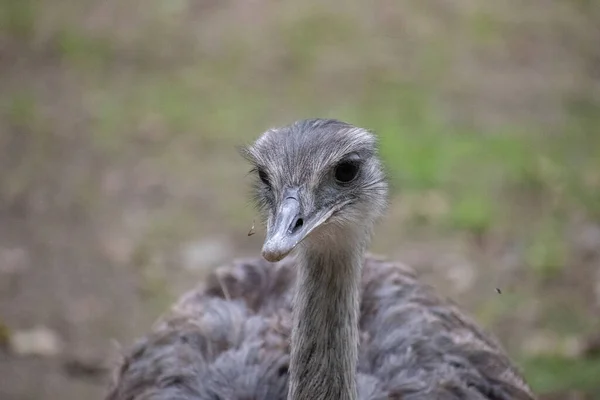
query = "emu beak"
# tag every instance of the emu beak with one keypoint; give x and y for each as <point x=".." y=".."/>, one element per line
<point x="288" y="228"/>
<point x="284" y="233"/>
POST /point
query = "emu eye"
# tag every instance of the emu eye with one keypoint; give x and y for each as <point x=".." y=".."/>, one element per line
<point x="263" y="177"/>
<point x="346" y="171"/>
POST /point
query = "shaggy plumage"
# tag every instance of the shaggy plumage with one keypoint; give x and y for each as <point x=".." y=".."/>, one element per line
<point x="360" y="326"/>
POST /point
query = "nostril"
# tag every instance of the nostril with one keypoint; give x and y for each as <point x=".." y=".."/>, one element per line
<point x="298" y="224"/>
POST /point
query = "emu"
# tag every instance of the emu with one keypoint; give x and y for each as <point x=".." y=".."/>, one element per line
<point x="317" y="317"/>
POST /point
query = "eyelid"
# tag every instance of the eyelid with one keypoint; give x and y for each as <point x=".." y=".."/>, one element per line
<point x="352" y="157"/>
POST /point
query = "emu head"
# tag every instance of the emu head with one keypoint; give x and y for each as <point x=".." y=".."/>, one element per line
<point x="318" y="183"/>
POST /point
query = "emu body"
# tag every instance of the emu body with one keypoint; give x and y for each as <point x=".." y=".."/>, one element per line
<point x="322" y="320"/>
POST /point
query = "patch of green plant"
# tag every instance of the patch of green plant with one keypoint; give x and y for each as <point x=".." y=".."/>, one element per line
<point x="547" y="253"/>
<point x="564" y="315"/>
<point x="581" y="152"/>
<point x="82" y="50"/>
<point x="31" y="139"/>
<point x="17" y="18"/>
<point x="423" y="152"/>
<point x="165" y="109"/>
<point x="113" y="118"/>
<point x="589" y="7"/>
<point x="149" y="109"/>
<point x="484" y="27"/>
<point x="548" y="374"/>
<point x="305" y="37"/>
<point x="498" y="308"/>
<point x="408" y="132"/>
<point x="152" y="285"/>
<point x="472" y="211"/>
<point x="21" y="110"/>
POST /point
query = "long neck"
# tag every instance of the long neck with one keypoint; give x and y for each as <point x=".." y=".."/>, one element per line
<point x="324" y="348"/>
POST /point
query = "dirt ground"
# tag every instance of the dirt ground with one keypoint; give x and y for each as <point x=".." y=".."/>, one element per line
<point x="120" y="186"/>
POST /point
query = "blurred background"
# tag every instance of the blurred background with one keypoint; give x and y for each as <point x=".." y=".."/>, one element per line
<point x="120" y="185"/>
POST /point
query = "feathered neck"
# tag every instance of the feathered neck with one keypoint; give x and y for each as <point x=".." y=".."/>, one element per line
<point x="324" y="347"/>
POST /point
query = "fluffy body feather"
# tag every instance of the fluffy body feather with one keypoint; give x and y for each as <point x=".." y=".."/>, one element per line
<point x="229" y="340"/>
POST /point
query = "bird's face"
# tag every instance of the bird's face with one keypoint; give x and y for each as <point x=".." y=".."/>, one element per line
<point x="316" y="181"/>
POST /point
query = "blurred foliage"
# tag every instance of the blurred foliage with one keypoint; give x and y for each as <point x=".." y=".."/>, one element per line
<point x="159" y="94"/>
<point x="553" y="374"/>
<point x="18" y="18"/>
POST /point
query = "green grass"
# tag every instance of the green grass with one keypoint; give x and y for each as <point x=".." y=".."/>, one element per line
<point x="550" y="374"/>
<point x="17" y="18"/>
<point x="29" y="136"/>
<point x="480" y="173"/>
<point x="21" y="110"/>
<point x="547" y="251"/>
<point x="84" y="51"/>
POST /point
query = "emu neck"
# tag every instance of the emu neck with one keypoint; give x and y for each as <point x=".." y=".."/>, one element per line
<point x="324" y="348"/>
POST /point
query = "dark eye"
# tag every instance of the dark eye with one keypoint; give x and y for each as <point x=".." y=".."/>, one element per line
<point x="263" y="177"/>
<point x="346" y="171"/>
